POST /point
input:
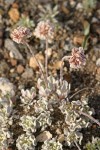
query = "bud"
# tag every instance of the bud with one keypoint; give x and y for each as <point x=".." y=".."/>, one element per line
<point x="20" y="34"/>
<point x="77" y="59"/>
<point x="44" y="30"/>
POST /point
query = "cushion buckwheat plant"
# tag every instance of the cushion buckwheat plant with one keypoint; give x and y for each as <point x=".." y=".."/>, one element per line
<point x="48" y="105"/>
<point x="6" y="109"/>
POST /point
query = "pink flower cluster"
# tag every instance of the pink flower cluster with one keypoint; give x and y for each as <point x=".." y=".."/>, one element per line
<point x="20" y="34"/>
<point x="77" y="58"/>
<point x="44" y="30"/>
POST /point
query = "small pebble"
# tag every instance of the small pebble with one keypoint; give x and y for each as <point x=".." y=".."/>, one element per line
<point x="12" y="70"/>
<point x="33" y="63"/>
<point x="58" y="131"/>
<point x="13" y="62"/>
<point x="61" y="138"/>
<point x="20" y="69"/>
<point x="98" y="62"/>
<point x="28" y="73"/>
<point x="78" y="40"/>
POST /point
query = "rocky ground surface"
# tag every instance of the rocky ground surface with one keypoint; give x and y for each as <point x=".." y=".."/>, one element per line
<point x="72" y="19"/>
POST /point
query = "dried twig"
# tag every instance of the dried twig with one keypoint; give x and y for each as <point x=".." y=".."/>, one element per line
<point x="79" y="92"/>
<point x="90" y="117"/>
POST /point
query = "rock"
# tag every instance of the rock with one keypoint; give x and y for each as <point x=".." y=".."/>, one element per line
<point x="13" y="62"/>
<point x="49" y="52"/>
<point x="58" y="131"/>
<point x="6" y="87"/>
<point x="98" y="62"/>
<point x="94" y="20"/>
<point x="78" y="40"/>
<point x="94" y="58"/>
<point x="6" y="55"/>
<point x="9" y="1"/>
<point x="14" y="14"/>
<point x="98" y="74"/>
<point x="79" y="6"/>
<point x="12" y="70"/>
<point x="72" y="3"/>
<point x="61" y="138"/>
<point x="20" y="69"/>
<point x="14" y="53"/>
<point x="57" y="65"/>
<point x="46" y="135"/>
<point x="28" y="73"/>
<point x="33" y="63"/>
<point x="3" y="67"/>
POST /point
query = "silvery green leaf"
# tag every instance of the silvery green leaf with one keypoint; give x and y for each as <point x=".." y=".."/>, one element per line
<point x="28" y="96"/>
<point x="86" y="28"/>
<point x="52" y="145"/>
<point x="28" y="123"/>
<point x="26" y="142"/>
<point x="44" y="119"/>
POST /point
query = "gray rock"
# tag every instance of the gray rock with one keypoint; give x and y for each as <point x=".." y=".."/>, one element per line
<point x="3" y="67"/>
<point x="14" y="53"/>
<point x="28" y="73"/>
<point x="9" y="1"/>
<point x="98" y="62"/>
<point x="46" y="135"/>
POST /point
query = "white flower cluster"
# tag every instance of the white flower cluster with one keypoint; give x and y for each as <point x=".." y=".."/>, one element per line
<point x="44" y="120"/>
<point x="27" y="98"/>
<point x="52" y="145"/>
<point x="44" y="30"/>
<point x="73" y="120"/>
<point x="26" y="142"/>
<point x="55" y="91"/>
<point x="6" y="108"/>
<point x="28" y="123"/>
<point x="20" y="34"/>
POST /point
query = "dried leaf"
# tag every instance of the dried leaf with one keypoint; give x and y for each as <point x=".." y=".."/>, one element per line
<point x="86" y="28"/>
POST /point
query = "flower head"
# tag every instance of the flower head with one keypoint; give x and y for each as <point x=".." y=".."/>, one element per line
<point x="20" y="34"/>
<point x="52" y="145"/>
<point x="28" y="123"/>
<point x="26" y="142"/>
<point x="44" y="30"/>
<point x="77" y="58"/>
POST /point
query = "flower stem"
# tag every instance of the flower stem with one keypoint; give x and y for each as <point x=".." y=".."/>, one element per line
<point x="46" y="59"/>
<point x="77" y="145"/>
<point x="90" y="117"/>
<point x="79" y="92"/>
<point x="61" y="69"/>
<point x="41" y="71"/>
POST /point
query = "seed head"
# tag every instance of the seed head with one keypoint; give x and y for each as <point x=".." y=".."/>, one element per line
<point x="20" y="34"/>
<point x="44" y="30"/>
<point x="77" y="58"/>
